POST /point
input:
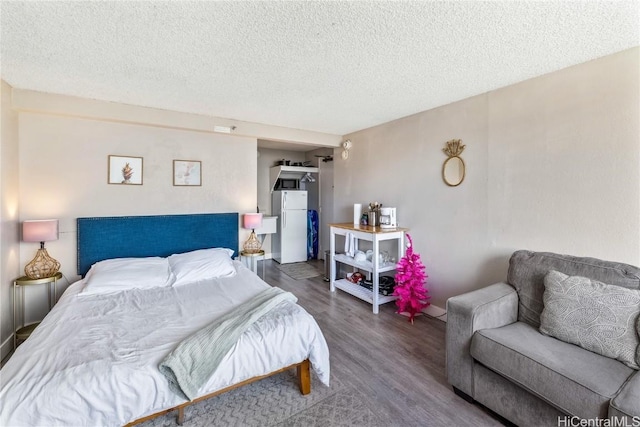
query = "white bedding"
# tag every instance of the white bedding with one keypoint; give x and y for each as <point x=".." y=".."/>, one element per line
<point x="94" y="360"/>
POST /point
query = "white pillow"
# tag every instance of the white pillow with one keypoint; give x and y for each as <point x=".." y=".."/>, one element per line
<point x="121" y="274"/>
<point x="202" y="264"/>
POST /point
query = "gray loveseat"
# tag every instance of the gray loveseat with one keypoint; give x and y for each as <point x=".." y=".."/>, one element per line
<point x="497" y="356"/>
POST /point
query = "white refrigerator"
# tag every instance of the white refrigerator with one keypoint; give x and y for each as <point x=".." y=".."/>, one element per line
<point x="289" y="244"/>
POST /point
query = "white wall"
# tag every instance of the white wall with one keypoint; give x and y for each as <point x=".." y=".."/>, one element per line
<point x="552" y="165"/>
<point x="323" y="193"/>
<point x="9" y="234"/>
<point x="33" y="101"/>
<point x="63" y="174"/>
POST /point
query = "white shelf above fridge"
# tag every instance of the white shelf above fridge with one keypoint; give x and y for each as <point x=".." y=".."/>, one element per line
<point x="296" y="172"/>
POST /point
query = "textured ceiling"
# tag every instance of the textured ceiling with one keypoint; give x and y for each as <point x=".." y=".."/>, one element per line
<point x="333" y="67"/>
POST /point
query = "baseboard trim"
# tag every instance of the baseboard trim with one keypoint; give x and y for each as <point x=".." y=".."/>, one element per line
<point x="437" y="312"/>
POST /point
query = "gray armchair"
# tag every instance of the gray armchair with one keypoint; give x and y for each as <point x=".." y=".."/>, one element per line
<point x="486" y="308"/>
<point x="497" y="356"/>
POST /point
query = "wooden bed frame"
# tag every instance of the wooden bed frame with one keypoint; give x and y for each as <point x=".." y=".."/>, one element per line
<point x="304" y="382"/>
<point x="101" y="238"/>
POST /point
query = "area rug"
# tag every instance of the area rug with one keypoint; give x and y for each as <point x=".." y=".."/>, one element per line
<point x="346" y="408"/>
<point x="277" y="401"/>
<point x="299" y="270"/>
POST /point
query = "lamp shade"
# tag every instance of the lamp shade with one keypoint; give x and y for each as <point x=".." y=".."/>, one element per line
<point x="252" y="220"/>
<point x="44" y="230"/>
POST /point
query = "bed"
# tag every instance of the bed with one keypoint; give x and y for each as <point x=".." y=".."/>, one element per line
<point x="94" y="359"/>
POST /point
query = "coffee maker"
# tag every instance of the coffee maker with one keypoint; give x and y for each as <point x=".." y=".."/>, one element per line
<point x="388" y="218"/>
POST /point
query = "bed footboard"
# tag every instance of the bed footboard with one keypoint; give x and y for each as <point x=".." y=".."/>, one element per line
<point x="304" y="382"/>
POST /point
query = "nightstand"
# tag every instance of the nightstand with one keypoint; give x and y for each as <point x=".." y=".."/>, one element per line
<point x="24" y="331"/>
<point x="251" y="261"/>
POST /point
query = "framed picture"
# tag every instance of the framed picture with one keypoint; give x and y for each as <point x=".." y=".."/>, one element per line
<point x="187" y="173"/>
<point x="125" y="170"/>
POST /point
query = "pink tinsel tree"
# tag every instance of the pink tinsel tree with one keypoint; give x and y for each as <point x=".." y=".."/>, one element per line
<point x="411" y="283"/>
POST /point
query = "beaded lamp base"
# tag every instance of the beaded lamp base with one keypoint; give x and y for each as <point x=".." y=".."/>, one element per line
<point x="252" y="245"/>
<point x="41" y="266"/>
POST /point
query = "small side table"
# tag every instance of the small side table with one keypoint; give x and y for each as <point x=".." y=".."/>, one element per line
<point x="251" y="261"/>
<point x="24" y="331"/>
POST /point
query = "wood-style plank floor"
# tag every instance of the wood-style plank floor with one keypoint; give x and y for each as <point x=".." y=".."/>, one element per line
<point x="397" y="366"/>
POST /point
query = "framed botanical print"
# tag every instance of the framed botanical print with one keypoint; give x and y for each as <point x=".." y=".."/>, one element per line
<point x="187" y="173"/>
<point x="125" y="170"/>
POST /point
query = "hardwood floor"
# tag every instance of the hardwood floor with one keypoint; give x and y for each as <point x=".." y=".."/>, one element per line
<point x="400" y="367"/>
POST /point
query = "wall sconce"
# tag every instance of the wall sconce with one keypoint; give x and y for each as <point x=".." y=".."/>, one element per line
<point x="346" y="146"/>
<point x="252" y="221"/>
<point x="42" y="265"/>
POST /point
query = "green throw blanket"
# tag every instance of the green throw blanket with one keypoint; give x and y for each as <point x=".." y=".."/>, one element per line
<point x="195" y="359"/>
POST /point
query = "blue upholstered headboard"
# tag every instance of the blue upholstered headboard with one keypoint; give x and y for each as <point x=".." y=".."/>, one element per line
<point x="102" y="238"/>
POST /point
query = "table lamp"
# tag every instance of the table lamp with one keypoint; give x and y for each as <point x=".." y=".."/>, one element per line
<point x="252" y="221"/>
<point x="42" y="265"/>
